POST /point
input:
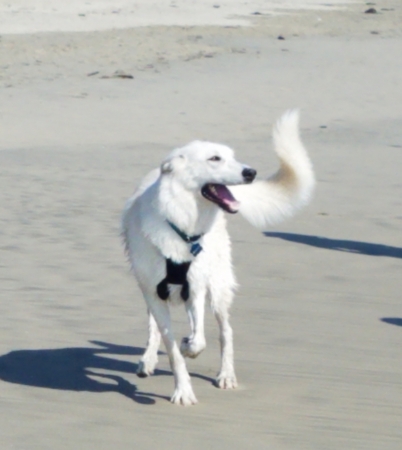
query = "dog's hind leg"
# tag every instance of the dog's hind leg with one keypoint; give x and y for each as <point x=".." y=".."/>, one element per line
<point x="220" y="303"/>
<point x="149" y="359"/>
<point x="183" y="394"/>
<point x="194" y="344"/>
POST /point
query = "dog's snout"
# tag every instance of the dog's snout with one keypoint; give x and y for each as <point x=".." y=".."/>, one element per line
<point x="249" y="174"/>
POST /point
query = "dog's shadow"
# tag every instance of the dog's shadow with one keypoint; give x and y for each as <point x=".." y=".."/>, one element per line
<point x="78" y="369"/>
<point x="392" y="321"/>
<point x="340" y="245"/>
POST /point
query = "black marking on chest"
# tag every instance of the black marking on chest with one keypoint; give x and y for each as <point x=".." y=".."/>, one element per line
<point x="176" y="273"/>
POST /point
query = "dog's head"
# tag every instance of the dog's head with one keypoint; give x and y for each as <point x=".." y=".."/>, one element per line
<point x="207" y="168"/>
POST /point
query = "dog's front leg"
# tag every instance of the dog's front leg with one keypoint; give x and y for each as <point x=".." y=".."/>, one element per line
<point x="149" y="359"/>
<point x="183" y="394"/>
<point x="226" y="378"/>
<point x="194" y="344"/>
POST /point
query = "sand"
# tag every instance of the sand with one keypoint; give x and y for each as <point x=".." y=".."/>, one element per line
<point x="318" y="317"/>
<point x="25" y="16"/>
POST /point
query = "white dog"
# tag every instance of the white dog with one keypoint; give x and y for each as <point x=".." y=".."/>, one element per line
<point x="179" y="248"/>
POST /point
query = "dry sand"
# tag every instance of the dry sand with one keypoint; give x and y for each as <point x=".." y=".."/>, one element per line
<point x="318" y="317"/>
<point x="25" y="16"/>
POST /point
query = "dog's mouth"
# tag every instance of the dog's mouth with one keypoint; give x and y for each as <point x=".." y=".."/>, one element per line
<point x="221" y="196"/>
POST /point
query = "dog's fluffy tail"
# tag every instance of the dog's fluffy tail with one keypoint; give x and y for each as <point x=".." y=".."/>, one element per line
<point x="266" y="202"/>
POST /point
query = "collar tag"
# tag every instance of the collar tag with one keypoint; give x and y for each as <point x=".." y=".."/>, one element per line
<point x="195" y="248"/>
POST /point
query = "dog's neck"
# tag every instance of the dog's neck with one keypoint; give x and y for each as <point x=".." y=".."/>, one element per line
<point x="186" y="209"/>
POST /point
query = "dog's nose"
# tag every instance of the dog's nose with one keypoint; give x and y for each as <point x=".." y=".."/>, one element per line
<point x="249" y="174"/>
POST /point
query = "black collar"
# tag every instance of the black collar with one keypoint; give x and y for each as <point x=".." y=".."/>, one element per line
<point x="195" y="247"/>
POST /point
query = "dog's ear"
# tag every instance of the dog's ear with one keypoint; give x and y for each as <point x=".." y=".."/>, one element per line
<point x="173" y="163"/>
<point x="167" y="166"/>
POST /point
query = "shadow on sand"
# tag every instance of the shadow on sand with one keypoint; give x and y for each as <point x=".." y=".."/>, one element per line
<point x="392" y="321"/>
<point x="77" y="368"/>
<point x="341" y="245"/>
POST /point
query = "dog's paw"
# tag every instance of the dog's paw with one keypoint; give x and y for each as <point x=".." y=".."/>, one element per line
<point x="184" y="396"/>
<point x="226" y="381"/>
<point x="191" y="347"/>
<point x="145" y="368"/>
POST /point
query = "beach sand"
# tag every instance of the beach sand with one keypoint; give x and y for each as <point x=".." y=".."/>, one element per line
<point x="318" y="316"/>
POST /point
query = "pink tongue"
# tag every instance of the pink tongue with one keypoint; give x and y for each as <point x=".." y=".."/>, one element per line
<point x="224" y="193"/>
<point x="232" y="204"/>
<point x="226" y="196"/>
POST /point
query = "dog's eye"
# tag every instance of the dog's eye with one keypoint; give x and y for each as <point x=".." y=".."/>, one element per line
<point x="215" y="158"/>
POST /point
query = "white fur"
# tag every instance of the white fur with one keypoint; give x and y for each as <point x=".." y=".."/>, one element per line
<point x="173" y="193"/>
<point x="267" y="202"/>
